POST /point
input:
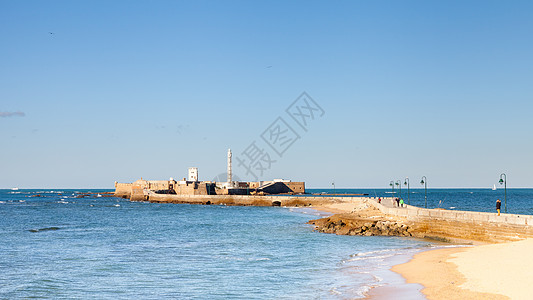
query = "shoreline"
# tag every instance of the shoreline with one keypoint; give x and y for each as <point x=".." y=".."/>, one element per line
<point x="491" y="271"/>
<point x="395" y="287"/>
<point x="458" y="271"/>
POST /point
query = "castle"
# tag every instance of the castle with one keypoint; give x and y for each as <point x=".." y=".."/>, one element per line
<point x="192" y="186"/>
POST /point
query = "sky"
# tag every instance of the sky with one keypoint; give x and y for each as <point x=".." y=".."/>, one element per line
<point x="356" y="93"/>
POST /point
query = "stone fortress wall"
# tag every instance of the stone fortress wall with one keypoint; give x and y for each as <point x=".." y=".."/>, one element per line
<point x="138" y="189"/>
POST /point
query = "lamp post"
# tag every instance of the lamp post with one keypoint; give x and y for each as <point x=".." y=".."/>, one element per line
<point x="399" y="184"/>
<point x="424" y="181"/>
<point x="406" y="182"/>
<point x="392" y="185"/>
<point x="504" y="181"/>
<point x="334" y="189"/>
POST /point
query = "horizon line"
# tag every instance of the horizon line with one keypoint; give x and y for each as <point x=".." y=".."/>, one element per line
<point x="322" y="188"/>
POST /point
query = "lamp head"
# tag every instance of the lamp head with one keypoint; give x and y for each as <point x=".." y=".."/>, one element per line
<point x="501" y="181"/>
<point x="405" y="182"/>
<point x="422" y="181"/>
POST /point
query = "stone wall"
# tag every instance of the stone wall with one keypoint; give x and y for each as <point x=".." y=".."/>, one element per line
<point x="470" y="225"/>
<point x="123" y="190"/>
<point x="247" y="200"/>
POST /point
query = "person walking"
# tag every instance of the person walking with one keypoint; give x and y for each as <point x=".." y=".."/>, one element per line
<point x="401" y="202"/>
<point x="498" y="206"/>
<point x="397" y="202"/>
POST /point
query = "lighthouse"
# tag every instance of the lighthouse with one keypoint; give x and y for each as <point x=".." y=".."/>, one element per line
<point x="229" y="168"/>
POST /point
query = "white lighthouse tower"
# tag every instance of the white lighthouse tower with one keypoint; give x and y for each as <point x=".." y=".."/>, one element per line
<point x="230" y="183"/>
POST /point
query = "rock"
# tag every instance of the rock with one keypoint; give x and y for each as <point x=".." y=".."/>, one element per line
<point x="375" y="231"/>
<point x="380" y="225"/>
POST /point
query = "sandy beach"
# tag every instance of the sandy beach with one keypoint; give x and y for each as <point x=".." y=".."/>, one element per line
<point x="483" y="271"/>
<point x="497" y="271"/>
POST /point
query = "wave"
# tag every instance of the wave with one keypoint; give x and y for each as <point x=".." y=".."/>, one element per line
<point x="380" y="251"/>
<point x="375" y="257"/>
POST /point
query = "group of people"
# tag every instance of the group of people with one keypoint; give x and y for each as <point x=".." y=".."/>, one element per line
<point x="399" y="202"/>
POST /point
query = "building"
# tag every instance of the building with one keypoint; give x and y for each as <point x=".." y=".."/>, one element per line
<point x="192" y="186"/>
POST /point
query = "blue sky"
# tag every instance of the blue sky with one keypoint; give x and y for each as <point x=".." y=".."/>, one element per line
<point x="97" y="91"/>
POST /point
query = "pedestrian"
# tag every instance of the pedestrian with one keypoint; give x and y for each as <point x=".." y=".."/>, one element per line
<point x="398" y="202"/>
<point x="401" y="202"/>
<point x="498" y="206"/>
<point x="379" y="200"/>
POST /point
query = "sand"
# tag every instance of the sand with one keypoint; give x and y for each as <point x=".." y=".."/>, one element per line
<point x="340" y="207"/>
<point x="498" y="271"/>
<point x="504" y="269"/>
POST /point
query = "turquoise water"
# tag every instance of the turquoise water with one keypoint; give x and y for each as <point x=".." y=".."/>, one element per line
<point x="59" y="246"/>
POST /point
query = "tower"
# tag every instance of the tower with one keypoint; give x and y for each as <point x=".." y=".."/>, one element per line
<point x="193" y="174"/>
<point x="229" y="166"/>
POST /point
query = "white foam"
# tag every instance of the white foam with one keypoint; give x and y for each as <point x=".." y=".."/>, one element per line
<point x="374" y="252"/>
<point x="334" y="291"/>
<point x="363" y="290"/>
<point x="377" y="257"/>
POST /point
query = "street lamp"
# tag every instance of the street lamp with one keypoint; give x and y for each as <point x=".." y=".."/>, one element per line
<point x="424" y="181"/>
<point x="406" y="182"/>
<point x="392" y="185"/>
<point x="504" y="181"/>
<point x="334" y="189"/>
<point x="399" y="183"/>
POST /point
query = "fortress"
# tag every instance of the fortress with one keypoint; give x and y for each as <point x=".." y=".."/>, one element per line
<point x="140" y="189"/>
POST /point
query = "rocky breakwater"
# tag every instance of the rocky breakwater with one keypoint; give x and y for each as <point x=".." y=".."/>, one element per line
<point x="350" y="224"/>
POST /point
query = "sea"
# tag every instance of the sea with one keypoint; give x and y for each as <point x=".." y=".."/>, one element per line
<point x="59" y="246"/>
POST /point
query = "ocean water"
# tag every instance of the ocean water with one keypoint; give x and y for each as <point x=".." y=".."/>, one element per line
<point x="61" y="247"/>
